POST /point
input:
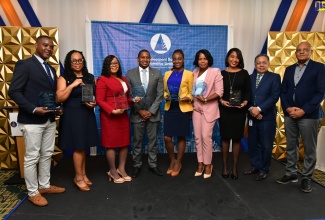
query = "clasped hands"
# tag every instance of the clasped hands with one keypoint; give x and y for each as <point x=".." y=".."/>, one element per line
<point x="295" y="112"/>
<point x="144" y="114"/>
<point x="255" y="112"/>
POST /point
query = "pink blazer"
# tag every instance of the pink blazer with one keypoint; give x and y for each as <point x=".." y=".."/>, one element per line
<point x="214" y="82"/>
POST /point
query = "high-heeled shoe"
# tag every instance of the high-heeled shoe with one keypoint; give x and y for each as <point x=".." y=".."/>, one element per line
<point x="199" y="173"/>
<point x="205" y="175"/>
<point x="225" y="175"/>
<point x="126" y="178"/>
<point x="87" y="181"/>
<point x="176" y="173"/>
<point x="111" y="177"/>
<point x="81" y="188"/>
<point x="234" y="177"/>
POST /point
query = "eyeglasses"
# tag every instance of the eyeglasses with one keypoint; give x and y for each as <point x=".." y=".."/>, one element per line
<point x="305" y="50"/>
<point x="77" y="61"/>
<point x="112" y="64"/>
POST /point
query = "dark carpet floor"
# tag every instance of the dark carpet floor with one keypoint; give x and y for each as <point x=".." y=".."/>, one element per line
<point x="184" y="197"/>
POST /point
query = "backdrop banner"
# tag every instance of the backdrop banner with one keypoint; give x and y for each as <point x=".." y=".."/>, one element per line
<point x="125" y="40"/>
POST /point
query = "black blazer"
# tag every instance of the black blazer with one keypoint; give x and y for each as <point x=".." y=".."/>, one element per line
<point x="29" y="80"/>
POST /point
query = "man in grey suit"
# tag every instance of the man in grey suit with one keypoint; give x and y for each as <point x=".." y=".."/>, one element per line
<point x="146" y="83"/>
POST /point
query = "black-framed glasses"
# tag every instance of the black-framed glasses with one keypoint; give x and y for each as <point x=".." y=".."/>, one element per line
<point x="77" y="61"/>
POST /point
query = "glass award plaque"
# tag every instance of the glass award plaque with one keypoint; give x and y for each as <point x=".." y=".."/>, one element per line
<point x="137" y="91"/>
<point x="235" y="98"/>
<point x="199" y="88"/>
<point x="121" y="101"/>
<point x="173" y="93"/>
<point x="87" y="92"/>
<point x="47" y="99"/>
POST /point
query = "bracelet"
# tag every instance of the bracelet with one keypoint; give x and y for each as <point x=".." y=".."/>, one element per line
<point x="205" y="100"/>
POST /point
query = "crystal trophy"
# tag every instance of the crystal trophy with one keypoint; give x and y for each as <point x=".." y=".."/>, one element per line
<point x="235" y="98"/>
<point x="87" y="93"/>
<point x="199" y="88"/>
<point x="47" y="99"/>
<point x="121" y="101"/>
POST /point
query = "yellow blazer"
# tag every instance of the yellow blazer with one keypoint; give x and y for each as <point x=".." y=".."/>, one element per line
<point x="185" y="88"/>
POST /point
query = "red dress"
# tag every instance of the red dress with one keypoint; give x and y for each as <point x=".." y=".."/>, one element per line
<point x="115" y="129"/>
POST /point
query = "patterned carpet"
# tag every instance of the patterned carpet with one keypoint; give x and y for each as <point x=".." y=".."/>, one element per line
<point x="10" y="195"/>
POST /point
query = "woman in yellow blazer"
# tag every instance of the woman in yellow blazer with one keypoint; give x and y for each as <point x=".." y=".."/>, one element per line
<point x="178" y="109"/>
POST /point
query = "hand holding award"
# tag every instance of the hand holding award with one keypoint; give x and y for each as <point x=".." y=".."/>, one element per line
<point x="47" y="100"/>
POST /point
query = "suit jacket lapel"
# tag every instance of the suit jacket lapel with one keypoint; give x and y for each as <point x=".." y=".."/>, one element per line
<point x="307" y="70"/>
<point x="40" y="66"/>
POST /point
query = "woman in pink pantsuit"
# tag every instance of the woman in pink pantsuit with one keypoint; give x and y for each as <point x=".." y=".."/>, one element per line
<point x="208" y="89"/>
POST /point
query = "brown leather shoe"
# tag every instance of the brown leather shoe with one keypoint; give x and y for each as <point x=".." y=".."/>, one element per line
<point x="51" y="190"/>
<point x="38" y="200"/>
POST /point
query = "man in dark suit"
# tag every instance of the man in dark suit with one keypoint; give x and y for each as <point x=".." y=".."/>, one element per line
<point x="303" y="89"/>
<point x="31" y="77"/>
<point x="266" y="88"/>
<point x="145" y="114"/>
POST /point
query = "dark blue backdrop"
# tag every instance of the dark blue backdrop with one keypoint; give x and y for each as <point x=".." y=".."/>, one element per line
<point x="125" y="40"/>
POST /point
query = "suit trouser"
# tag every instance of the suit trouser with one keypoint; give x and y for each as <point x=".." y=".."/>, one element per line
<point x="138" y="134"/>
<point x="308" y="129"/>
<point x="203" y="137"/>
<point x="260" y="141"/>
<point x="39" y="143"/>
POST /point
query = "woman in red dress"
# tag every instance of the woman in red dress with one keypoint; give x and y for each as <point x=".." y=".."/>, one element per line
<point x="113" y="98"/>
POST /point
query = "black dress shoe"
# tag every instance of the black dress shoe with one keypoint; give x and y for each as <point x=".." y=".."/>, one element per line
<point x="261" y="176"/>
<point x="135" y="172"/>
<point x="251" y="171"/>
<point x="306" y="185"/>
<point x="156" y="171"/>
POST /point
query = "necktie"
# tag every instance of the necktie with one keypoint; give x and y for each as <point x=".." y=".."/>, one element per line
<point x="48" y="72"/>
<point x="144" y="79"/>
<point x="258" y="79"/>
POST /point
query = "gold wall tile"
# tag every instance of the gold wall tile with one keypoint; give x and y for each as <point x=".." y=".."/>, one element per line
<point x="17" y="43"/>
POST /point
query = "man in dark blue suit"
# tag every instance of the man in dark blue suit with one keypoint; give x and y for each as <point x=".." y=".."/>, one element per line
<point x="303" y="89"/>
<point x="266" y="88"/>
<point x="32" y="77"/>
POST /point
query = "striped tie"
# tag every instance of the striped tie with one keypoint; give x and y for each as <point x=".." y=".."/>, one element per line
<point x="258" y="79"/>
<point x="48" y="71"/>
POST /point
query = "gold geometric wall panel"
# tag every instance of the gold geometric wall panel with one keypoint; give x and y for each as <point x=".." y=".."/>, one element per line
<point x="281" y="50"/>
<point x="17" y="43"/>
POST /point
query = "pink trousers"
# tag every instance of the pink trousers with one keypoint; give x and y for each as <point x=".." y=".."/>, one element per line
<point x="203" y="137"/>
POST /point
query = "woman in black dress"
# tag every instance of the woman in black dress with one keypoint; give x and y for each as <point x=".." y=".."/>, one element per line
<point x="232" y="120"/>
<point x="78" y="128"/>
<point x="178" y="109"/>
